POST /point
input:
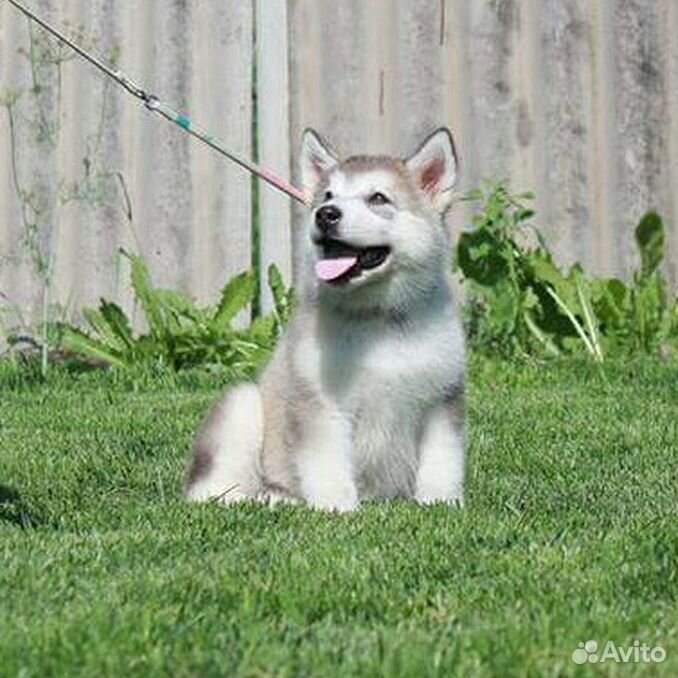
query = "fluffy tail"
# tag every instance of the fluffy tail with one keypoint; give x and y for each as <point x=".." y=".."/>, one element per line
<point x="224" y="462"/>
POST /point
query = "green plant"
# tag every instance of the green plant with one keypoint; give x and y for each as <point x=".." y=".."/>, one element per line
<point x="180" y="333"/>
<point x="35" y="111"/>
<point x="642" y="316"/>
<point x="520" y="302"/>
<point x="509" y="308"/>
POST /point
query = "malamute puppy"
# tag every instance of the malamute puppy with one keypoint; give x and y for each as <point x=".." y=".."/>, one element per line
<point x="364" y="396"/>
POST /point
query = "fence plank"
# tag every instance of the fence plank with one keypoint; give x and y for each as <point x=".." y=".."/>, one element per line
<point x="641" y="120"/>
<point x="275" y="237"/>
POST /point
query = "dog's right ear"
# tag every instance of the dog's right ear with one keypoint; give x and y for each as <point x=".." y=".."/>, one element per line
<point x="316" y="159"/>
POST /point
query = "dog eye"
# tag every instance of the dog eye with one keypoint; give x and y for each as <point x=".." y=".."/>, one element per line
<point x="328" y="196"/>
<point x="378" y="198"/>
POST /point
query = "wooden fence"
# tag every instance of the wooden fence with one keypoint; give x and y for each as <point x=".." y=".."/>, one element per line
<point x="573" y="99"/>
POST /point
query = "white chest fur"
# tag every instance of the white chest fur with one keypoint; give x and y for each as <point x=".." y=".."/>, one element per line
<point x="383" y="378"/>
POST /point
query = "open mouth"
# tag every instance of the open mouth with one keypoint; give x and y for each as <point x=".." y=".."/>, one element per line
<point x="340" y="261"/>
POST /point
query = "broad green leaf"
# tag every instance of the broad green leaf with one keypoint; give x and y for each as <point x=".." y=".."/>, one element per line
<point x="545" y="271"/>
<point x="503" y="307"/>
<point x="146" y="296"/>
<point x="541" y="273"/>
<point x="81" y="344"/>
<point x="177" y="301"/>
<point x="611" y="302"/>
<point x="282" y="297"/>
<point x="103" y="332"/>
<point x="263" y="328"/>
<point x="118" y="322"/>
<point x="236" y="295"/>
<point x="649" y="304"/>
<point x="276" y="284"/>
<point x="480" y="259"/>
<point x="182" y="310"/>
<point x="650" y="240"/>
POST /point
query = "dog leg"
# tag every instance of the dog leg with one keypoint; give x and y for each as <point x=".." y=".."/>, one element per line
<point x="324" y="464"/>
<point x="441" y="458"/>
<point x="224" y="463"/>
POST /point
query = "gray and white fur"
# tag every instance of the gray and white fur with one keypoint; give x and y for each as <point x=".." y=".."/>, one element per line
<point x="364" y="396"/>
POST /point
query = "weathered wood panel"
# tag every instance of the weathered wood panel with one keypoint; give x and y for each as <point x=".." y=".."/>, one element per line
<point x="575" y="100"/>
<point x="275" y="236"/>
<point x="150" y="188"/>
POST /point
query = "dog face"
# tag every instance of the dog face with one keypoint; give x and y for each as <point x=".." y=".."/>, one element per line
<point x="375" y="223"/>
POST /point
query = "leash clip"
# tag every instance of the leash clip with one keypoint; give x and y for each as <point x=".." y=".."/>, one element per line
<point x="152" y="102"/>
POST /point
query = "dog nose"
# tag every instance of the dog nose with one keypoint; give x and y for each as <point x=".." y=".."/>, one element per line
<point x="327" y="218"/>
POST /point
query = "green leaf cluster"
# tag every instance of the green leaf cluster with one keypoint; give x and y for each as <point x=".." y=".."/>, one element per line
<point x="520" y="302"/>
<point x="180" y="333"/>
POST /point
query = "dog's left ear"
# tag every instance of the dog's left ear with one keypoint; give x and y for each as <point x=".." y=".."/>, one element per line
<point x="316" y="159"/>
<point x="434" y="168"/>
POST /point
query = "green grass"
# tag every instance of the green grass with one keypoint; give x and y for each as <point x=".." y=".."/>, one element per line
<point x="569" y="534"/>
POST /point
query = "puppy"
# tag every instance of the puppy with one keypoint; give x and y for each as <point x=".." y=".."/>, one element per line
<point x="364" y="396"/>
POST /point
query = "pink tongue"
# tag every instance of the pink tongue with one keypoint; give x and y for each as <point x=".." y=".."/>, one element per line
<point x="331" y="269"/>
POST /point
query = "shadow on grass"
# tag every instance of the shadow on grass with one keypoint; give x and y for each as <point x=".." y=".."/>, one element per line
<point x="14" y="510"/>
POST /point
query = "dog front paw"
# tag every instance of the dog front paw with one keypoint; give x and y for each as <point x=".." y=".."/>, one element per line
<point x="435" y="495"/>
<point x="335" y="499"/>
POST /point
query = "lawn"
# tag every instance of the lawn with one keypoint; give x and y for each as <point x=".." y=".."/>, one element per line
<point x="568" y="535"/>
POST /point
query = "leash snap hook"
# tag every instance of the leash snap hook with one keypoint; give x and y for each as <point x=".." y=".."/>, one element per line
<point x="152" y="102"/>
